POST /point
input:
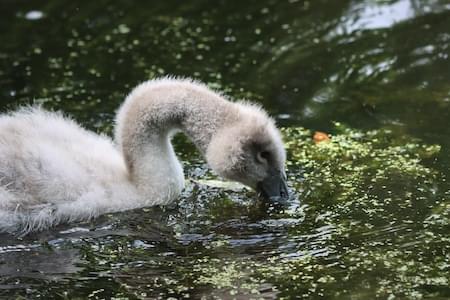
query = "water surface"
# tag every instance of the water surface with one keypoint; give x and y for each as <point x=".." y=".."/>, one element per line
<point x="371" y="212"/>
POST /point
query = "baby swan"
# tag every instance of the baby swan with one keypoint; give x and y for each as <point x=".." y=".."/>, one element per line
<point x="53" y="171"/>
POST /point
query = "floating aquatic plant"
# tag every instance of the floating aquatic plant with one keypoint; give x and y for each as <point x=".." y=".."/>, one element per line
<point x="373" y="206"/>
<point x="373" y="221"/>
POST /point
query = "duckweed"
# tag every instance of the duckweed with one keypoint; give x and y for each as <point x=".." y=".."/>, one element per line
<point x="370" y="212"/>
<point x="373" y="220"/>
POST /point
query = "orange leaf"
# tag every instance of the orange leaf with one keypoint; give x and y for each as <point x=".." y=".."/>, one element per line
<point x="320" y="137"/>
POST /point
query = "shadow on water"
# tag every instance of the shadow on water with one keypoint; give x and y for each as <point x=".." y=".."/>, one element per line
<point x="374" y="215"/>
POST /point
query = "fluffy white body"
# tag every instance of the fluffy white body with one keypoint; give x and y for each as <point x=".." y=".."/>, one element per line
<point x="52" y="170"/>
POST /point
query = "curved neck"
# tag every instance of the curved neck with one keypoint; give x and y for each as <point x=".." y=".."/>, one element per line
<point x="147" y="120"/>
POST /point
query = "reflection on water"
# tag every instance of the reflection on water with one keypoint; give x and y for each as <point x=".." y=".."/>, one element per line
<point x="350" y="232"/>
<point x="34" y="15"/>
<point x="34" y="262"/>
<point x="384" y="14"/>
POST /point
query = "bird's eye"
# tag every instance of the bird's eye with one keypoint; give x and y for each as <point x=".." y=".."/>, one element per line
<point x="264" y="156"/>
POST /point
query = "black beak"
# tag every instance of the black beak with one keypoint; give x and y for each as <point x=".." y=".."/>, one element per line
<point x="274" y="187"/>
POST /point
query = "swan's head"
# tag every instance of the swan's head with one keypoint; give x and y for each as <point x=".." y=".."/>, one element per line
<point x="249" y="149"/>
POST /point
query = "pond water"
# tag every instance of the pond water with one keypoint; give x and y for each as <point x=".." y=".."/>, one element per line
<point x="370" y="215"/>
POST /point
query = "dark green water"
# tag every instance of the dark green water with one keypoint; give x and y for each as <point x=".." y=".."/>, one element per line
<point x="371" y="213"/>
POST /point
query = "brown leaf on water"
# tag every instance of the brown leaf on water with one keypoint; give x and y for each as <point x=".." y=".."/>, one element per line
<point x="320" y="137"/>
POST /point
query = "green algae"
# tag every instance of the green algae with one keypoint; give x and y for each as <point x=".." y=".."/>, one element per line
<point x="387" y="218"/>
<point x="370" y="213"/>
<point x="374" y="223"/>
<point x="369" y="219"/>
